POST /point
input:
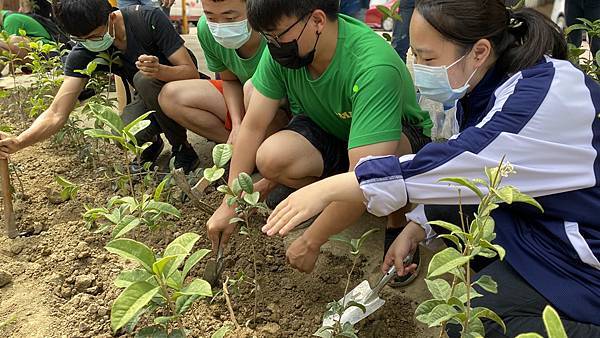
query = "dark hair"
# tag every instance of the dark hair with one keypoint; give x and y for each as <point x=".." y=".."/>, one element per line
<point x="519" y="39"/>
<point x="40" y="7"/>
<point x="81" y="17"/>
<point x="264" y="15"/>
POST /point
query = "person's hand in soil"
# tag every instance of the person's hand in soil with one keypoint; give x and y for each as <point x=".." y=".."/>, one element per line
<point x="148" y="65"/>
<point x="302" y="255"/>
<point x="218" y="226"/>
<point x="405" y="244"/>
<point x="8" y="145"/>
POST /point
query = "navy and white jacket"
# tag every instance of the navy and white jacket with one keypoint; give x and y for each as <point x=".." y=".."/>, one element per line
<point x="545" y="120"/>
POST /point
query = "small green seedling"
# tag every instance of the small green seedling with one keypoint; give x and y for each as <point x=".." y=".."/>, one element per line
<point x="157" y="285"/>
<point x="335" y="309"/>
<point x="451" y="302"/>
<point x="69" y="189"/>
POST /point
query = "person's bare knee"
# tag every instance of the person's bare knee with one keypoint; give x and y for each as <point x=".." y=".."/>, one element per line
<point x="268" y="162"/>
<point x="170" y="98"/>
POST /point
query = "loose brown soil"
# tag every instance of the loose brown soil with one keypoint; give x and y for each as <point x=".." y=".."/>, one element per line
<point x="62" y="275"/>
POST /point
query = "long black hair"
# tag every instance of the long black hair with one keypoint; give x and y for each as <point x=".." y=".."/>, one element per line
<point x="519" y="39"/>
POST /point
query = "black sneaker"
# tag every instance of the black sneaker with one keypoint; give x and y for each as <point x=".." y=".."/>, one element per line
<point x="185" y="158"/>
<point x="151" y="154"/>
<point x="277" y="196"/>
<point x="401" y="281"/>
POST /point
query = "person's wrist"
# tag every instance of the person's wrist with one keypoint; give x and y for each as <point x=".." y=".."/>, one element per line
<point x="312" y="241"/>
<point x="20" y="144"/>
<point x="415" y="232"/>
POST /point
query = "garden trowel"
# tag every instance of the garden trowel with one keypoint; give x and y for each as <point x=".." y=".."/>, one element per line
<point x="214" y="268"/>
<point x="364" y="295"/>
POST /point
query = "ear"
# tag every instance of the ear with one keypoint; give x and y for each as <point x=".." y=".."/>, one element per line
<point x="319" y="19"/>
<point x="482" y="51"/>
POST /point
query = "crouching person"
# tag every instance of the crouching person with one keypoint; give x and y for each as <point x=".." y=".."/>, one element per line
<point x="151" y="54"/>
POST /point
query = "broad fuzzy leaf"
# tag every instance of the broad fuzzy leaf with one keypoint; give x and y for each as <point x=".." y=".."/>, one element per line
<point x="128" y="277"/>
<point x="222" y="154"/>
<point x="487" y="283"/>
<point x="130" y="249"/>
<point x="246" y="183"/>
<point x="444" y="261"/>
<point x="130" y="302"/>
<point x="439" y="288"/>
<point x="193" y="260"/>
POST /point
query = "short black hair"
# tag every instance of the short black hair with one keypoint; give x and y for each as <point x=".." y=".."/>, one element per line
<point x="81" y="17"/>
<point x="264" y="15"/>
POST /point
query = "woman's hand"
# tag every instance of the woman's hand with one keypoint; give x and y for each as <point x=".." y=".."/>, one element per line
<point x="405" y="244"/>
<point x="297" y="208"/>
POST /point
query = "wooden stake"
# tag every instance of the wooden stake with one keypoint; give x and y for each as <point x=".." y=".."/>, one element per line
<point x="185" y="28"/>
<point x="9" y="214"/>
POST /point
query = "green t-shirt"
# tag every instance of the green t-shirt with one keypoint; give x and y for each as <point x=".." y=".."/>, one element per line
<point x="13" y="22"/>
<point x="219" y="58"/>
<point x="364" y="95"/>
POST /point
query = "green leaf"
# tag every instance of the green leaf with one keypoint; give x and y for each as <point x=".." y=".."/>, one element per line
<point x="107" y="116"/>
<point x="198" y="287"/>
<point x="175" y="281"/>
<point x="128" y="277"/>
<point x="225" y="190"/>
<point x="164" y="320"/>
<point x="236" y="220"/>
<point x="124" y="226"/>
<point x="129" y="302"/>
<point x="487" y="283"/>
<point x="460" y="292"/>
<point x="448" y="226"/>
<point x="183" y="303"/>
<point x="193" y="260"/>
<point x="164" y="208"/>
<point x="465" y="183"/>
<point x="236" y="187"/>
<point x="152" y="332"/>
<point x="439" y="288"/>
<point x="506" y="194"/>
<point x="423" y="310"/>
<point x="453" y="239"/>
<point x="476" y="327"/>
<point x="529" y="335"/>
<point x="444" y="261"/>
<point x="164" y="264"/>
<point x="440" y="314"/>
<point x="500" y="250"/>
<point x="130" y="249"/>
<point x="181" y="247"/>
<point x="363" y="238"/>
<point x="553" y="324"/>
<point x="101" y="133"/>
<point x="246" y="183"/>
<point x="213" y="174"/>
<point x="222" y="154"/>
<point x="224" y="330"/>
<point x="159" y="190"/>
<point x="481" y="312"/>
<point x="252" y="198"/>
<point x="134" y="126"/>
<point x="524" y="198"/>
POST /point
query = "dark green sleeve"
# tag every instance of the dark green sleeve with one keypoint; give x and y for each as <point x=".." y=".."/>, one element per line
<point x="376" y="107"/>
<point x="268" y="78"/>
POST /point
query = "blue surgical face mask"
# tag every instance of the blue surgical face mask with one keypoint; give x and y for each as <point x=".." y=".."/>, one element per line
<point x="433" y="83"/>
<point x="99" y="45"/>
<point x="231" y="35"/>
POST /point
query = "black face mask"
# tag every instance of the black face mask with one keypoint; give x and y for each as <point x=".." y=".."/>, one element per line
<point x="288" y="55"/>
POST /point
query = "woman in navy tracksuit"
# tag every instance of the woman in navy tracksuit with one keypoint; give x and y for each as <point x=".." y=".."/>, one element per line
<point x="517" y="97"/>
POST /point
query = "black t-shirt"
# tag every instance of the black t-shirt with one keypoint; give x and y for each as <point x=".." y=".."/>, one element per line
<point x="157" y="37"/>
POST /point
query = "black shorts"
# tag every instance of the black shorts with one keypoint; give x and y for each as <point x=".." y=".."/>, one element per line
<point x="335" y="151"/>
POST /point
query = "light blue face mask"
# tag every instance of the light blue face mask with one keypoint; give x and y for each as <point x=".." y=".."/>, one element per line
<point x="231" y="35"/>
<point x="99" y="45"/>
<point x="433" y="83"/>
